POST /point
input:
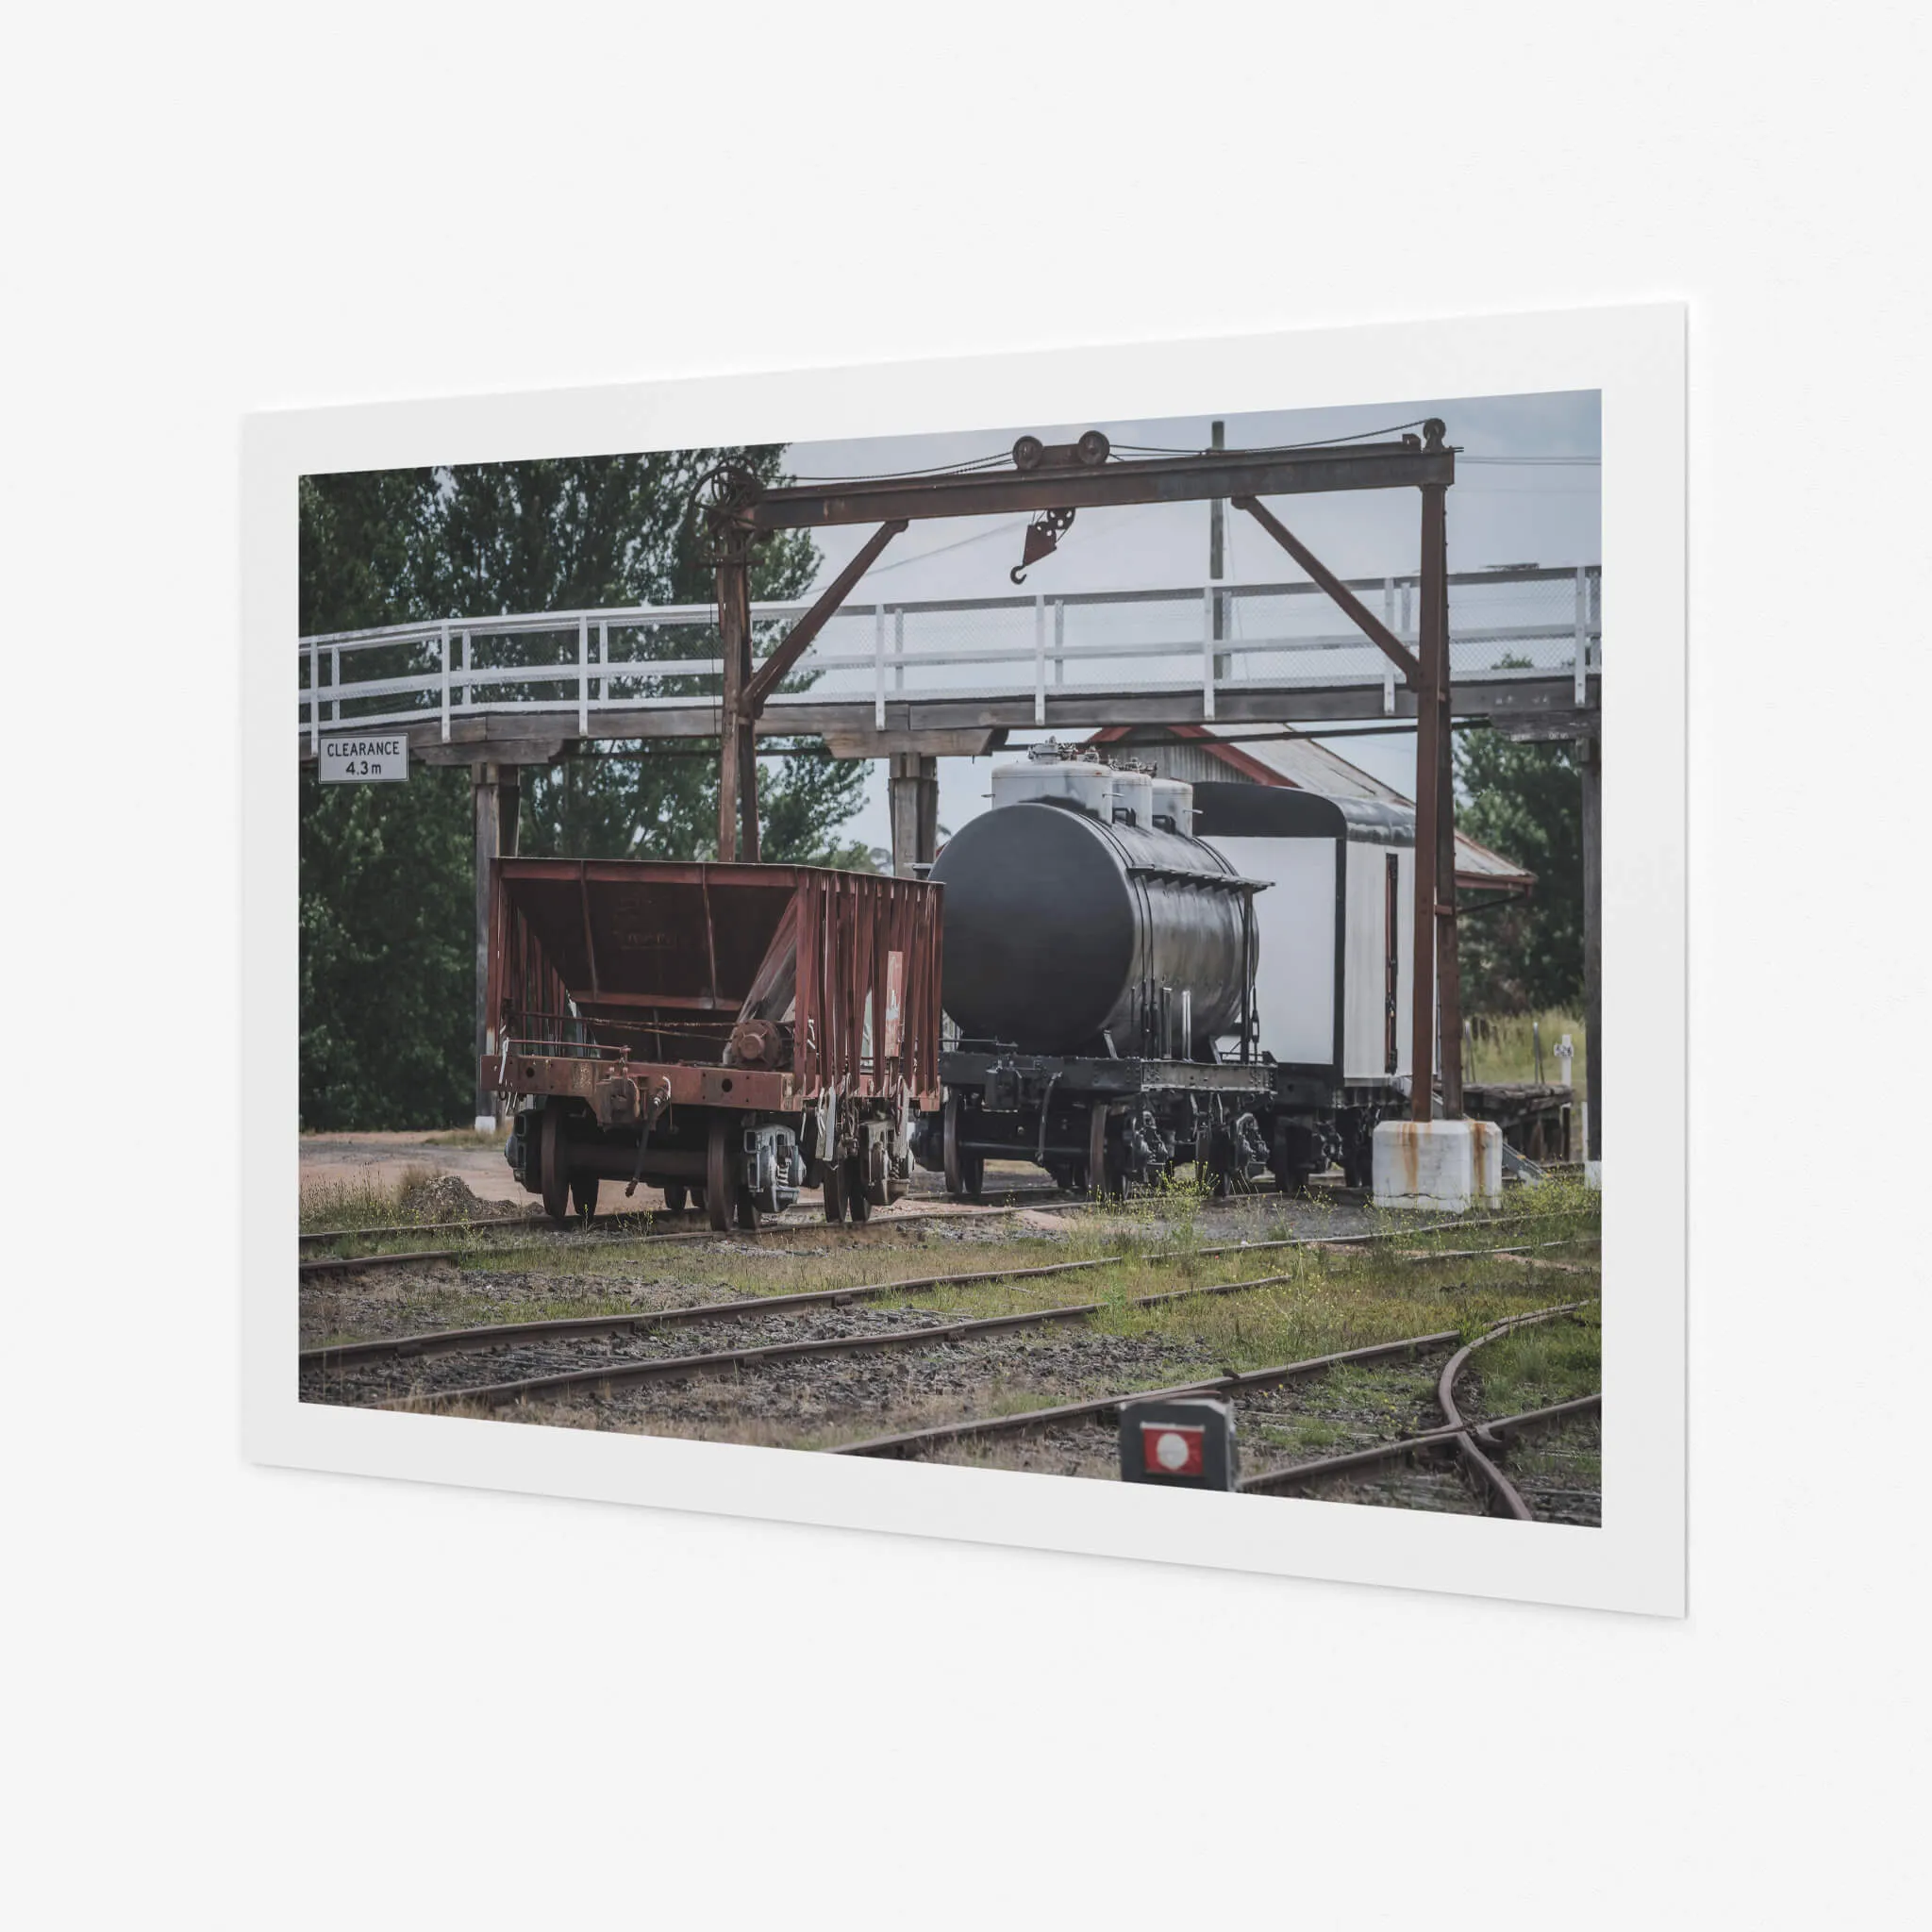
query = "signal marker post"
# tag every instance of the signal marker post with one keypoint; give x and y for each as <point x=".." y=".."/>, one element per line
<point x="1186" y="1444"/>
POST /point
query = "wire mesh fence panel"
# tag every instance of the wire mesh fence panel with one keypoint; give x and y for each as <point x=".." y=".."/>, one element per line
<point x="650" y="660"/>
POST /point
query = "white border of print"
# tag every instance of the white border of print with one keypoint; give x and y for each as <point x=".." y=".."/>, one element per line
<point x="1635" y="357"/>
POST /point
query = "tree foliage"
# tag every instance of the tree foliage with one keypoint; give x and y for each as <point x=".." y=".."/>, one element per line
<point x="1524" y="800"/>
<point x="388" y="953"/>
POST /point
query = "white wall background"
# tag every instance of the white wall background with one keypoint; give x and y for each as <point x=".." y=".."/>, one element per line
<point x="243" y="1697"/>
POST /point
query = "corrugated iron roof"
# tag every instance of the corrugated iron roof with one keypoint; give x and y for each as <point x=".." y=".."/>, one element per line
<point x="1311" y="767"/>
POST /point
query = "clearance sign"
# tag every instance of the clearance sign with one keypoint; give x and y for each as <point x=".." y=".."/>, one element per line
<point x="372" y="760"/>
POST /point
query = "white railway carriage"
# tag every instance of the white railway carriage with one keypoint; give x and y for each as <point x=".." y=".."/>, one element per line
<point x="1334" y="927"/>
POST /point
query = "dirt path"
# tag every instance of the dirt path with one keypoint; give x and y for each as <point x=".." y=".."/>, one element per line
<point x="381" y="1161"/>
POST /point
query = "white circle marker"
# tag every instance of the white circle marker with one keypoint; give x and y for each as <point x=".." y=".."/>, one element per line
<point x="1170" y="1451"/>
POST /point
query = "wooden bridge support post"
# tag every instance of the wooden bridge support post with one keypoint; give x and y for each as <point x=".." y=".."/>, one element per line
<point x="913" y="796"/>
<point x="737" y="767"/>
<point x="496" y="801"/>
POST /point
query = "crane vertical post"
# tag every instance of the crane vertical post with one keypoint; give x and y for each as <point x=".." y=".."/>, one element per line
<point x="1592" y="750"/>
<point x="1448" y="961"/>
<point x="1428" y="798"/>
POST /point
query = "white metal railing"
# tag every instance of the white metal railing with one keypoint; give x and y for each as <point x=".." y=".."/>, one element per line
<point x="1524" y="622"/>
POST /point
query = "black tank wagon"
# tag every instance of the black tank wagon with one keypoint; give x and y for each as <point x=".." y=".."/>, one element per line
<point x="1132" y="993"/>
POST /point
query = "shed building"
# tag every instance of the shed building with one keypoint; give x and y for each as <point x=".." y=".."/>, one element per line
<point x="1200" y="755"/>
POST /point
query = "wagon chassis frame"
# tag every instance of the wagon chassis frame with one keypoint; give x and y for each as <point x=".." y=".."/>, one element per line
<point x="982" y="1080"/>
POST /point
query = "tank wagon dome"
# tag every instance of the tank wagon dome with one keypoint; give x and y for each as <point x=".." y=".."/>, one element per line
<point x="1051" y="776"/>
<point x="1174" y="805"/>
<point x="1133" y="796"/>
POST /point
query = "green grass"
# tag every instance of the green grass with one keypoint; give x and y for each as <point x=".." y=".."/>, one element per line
<point x="360" y="1203"/>
<point x="1303" y="1302"/>
<point x="1533" y="1368"/>
<point x="1307" y="1302"/>
<point x="1501" y="1047"/>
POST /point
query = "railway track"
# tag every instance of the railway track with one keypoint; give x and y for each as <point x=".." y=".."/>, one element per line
<point x="624" y="1229"/>
<point x="910" y="1442"/>
<point x="585" y="1328"/>
<point x="684" y="1224"/>
<point x="613" y="1374"/>
<point x="548" y="1235"/>
<point x="341" y="1358"/>
<point x="1474" y="1444"/>
<point x="356" y="1264"/>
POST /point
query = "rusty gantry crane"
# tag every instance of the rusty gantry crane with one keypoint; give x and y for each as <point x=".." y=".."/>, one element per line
<point x="1052" y="483"/>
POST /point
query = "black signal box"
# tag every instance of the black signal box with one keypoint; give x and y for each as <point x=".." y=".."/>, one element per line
<point x="1186" y="1445"/>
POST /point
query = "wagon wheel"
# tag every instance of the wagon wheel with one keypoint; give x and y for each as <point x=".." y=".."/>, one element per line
<point x="721" y="1175"/>
<point x="851" y="1180"/>
<point x="553" y="1175"/>
<point x="675" y="1197"/>
<point x="583" y="1194"/>
<point x="1103" y="1168"/>
<point x="949" y="1118"/>
<point x="835" y="1193"/>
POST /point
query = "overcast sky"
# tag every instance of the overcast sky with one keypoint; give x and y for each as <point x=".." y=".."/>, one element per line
<point x="1501" y="513"/>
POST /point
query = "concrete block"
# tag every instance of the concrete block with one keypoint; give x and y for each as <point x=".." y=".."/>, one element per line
<point x="1438" y="1167"/>
<point x="1485" y="1161"/>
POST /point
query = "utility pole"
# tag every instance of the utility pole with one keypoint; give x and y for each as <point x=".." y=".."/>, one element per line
<point x="1590" y="750"/>
<point x="1217" y="552"/>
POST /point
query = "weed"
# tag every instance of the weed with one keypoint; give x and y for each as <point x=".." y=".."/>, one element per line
<point x="1501" y="1047"/>
<point x="361" y="1203"/>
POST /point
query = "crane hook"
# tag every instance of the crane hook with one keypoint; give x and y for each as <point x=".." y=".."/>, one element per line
<point x="1043" y="536"/>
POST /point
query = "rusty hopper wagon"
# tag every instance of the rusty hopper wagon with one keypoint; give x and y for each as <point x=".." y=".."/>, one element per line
<point x="727" y="1032"/>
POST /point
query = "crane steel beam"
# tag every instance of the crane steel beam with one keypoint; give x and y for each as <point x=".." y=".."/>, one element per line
<point x="765" y="680"/>
<point x="1163" y="479"/>
<point x="1351" y="606"/>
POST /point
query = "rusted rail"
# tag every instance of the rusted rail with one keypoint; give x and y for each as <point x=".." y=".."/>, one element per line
<point x="662" y="1368"/>
<point x="545" y="1230"/>
<point x="591" y="1327"/>
<point x="910" y="1441"/>
<point x="622" y="1227"/>
<point x="1281" y="1482"/>
<point x="355" y="1264"/>
<point x="1468" y="1439"/>
<point x="314" y="1237"/>
<point x="1467" y="1447"/>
